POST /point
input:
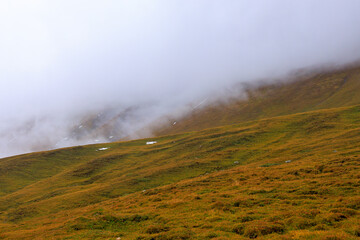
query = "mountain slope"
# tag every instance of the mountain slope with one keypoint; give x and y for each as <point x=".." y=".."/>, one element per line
<point x="303" y="93"/>
<point x="223" y="181"/>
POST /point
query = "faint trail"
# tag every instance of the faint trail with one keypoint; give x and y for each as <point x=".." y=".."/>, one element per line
<point x="200" y="103"/>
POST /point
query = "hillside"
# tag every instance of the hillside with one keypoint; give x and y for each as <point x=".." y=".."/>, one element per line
<point x="303" y="92"/>
<point x="288" y="177"/>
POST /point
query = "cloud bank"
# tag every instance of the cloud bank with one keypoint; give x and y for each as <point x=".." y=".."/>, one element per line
<point x="61" y="60"/>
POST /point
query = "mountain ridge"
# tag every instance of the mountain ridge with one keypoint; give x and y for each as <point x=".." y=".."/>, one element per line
<point x="305" y="92"/>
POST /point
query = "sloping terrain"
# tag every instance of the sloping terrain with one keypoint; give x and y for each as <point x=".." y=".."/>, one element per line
<point x="304" y="93"/>
<point x="288" y="177"/>
<point x="307" y="91"/>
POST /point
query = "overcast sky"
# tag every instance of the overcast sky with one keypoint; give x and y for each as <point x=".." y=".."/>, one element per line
<point x="60" y="57"/>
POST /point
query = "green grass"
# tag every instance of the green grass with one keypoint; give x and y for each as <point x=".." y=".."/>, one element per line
<point x="230" y="182"/>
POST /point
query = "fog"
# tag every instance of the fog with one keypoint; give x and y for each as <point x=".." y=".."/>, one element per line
<point x="62" y="61"/>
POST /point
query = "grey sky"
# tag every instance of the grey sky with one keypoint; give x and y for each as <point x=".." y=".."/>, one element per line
<point x="61" y="57"/>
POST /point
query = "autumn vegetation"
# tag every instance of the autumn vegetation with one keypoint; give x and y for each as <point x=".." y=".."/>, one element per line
<point x="294" y="175"/>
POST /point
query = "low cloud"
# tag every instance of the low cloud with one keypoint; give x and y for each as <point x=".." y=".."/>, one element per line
<point x="62" y="61"/>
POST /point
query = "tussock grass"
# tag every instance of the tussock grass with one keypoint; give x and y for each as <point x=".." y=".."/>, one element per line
<point x="289" y="177"/>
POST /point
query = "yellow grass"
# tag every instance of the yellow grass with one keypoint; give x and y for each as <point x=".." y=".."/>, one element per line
<point x="289" y="177"/>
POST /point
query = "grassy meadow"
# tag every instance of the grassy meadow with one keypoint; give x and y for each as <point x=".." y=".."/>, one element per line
<point x="287" y="177"/>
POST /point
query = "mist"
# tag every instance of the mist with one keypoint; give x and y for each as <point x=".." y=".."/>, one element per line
<point x="64" y="62"/>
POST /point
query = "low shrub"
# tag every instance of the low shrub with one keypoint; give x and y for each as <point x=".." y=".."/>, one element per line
<point x="152" y="229"/>
<point x="239" y="229"/>
<point x="221" y="206"/>
<point x="346" y="211"/>
<point x="211" y="235"/>
<point x="300" y="223"/>
<point x="245" y="202"/>
<point x="310" y="213"/>
<point x="353" y="204"/>
<point x="332" y="218"/>
<point x="260" y="228"/>
<point x="246" y="218"/>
